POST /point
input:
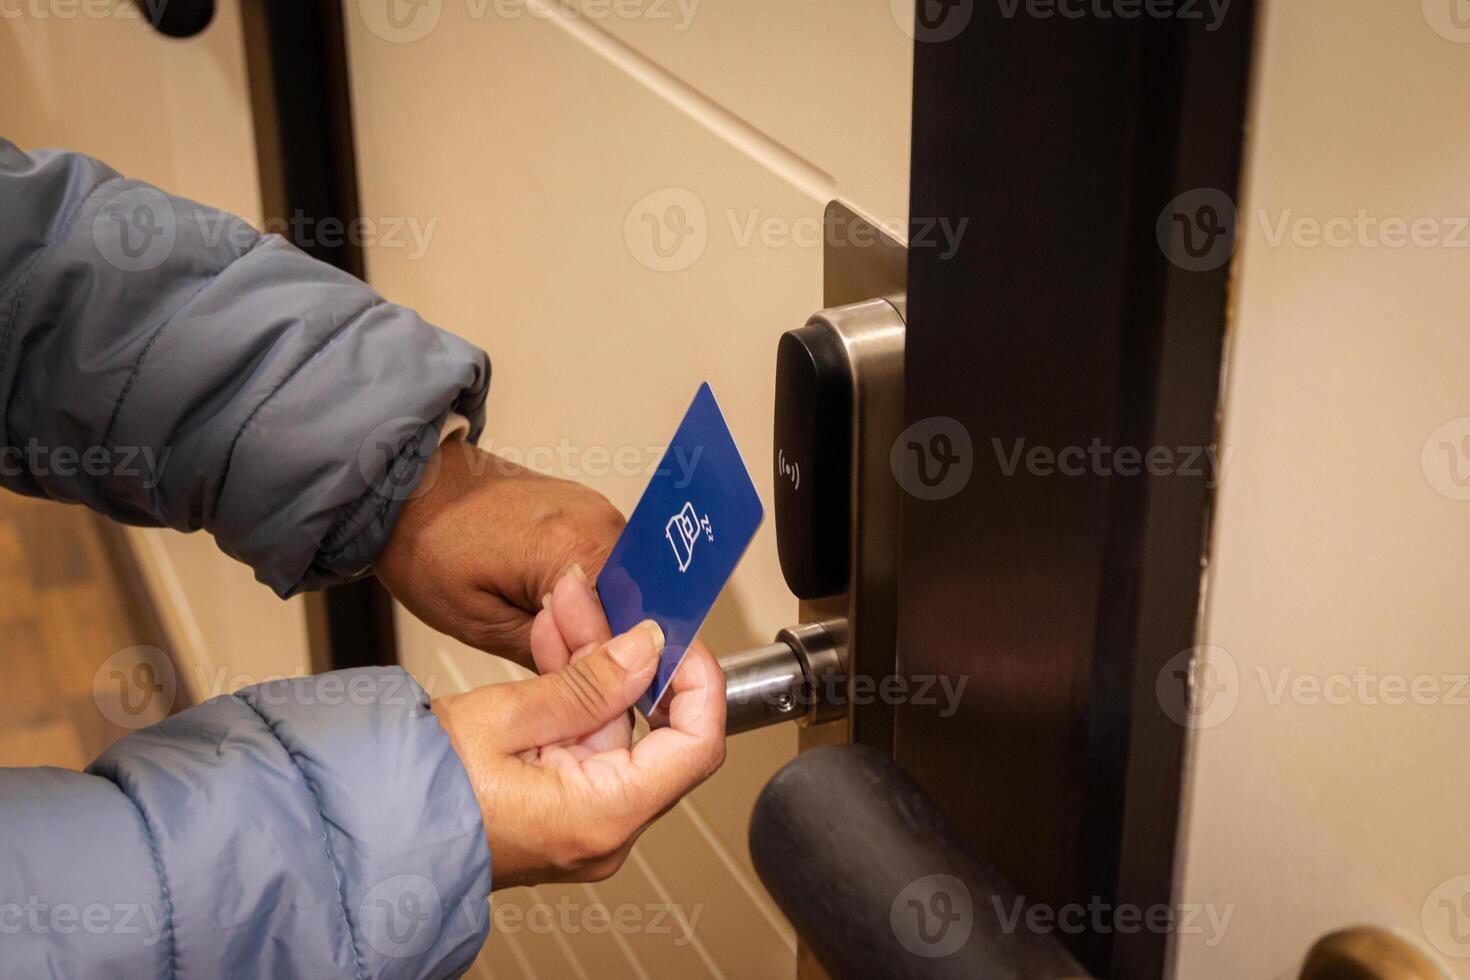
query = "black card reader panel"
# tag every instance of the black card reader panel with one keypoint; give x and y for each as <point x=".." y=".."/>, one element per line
<point x="813" y="460"/>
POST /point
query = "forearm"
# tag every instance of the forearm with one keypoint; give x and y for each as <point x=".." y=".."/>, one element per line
<point x="163" y="363"/>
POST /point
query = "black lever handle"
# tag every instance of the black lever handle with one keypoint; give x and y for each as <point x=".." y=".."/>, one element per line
<point x="178" y="18"/>
<point x="879" y="884"/>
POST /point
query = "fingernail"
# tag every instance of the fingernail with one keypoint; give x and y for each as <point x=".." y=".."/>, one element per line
<point x="546" y="602"/>
<point x="577" y="573"/>
<point x="638" y="648"/>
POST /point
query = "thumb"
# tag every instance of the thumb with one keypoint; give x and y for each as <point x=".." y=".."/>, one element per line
<point x="587" y="693"/>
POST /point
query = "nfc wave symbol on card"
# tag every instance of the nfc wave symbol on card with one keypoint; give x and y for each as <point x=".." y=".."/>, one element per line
<point x="683" y="530"/>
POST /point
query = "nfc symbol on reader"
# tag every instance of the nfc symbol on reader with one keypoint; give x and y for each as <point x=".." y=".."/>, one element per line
<point x="683" y="530"/>
<point x="791" y="471"/>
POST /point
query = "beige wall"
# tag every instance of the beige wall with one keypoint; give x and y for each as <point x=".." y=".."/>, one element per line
<point x="175" y="114"/>
<point x="540" y="147"/>
<point x="1340" y="541"/>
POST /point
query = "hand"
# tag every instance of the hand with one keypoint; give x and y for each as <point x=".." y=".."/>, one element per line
<point x="556" y="810"/>
<point x="572" y="626"/>
<point x="483" y="540"/>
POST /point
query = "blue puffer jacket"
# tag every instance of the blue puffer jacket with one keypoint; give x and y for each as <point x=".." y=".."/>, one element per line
<point x="164" y="364"/>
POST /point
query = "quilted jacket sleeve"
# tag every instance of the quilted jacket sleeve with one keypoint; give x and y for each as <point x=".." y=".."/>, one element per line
<point x="164" y="363"/>
<point x="307" y="828"/>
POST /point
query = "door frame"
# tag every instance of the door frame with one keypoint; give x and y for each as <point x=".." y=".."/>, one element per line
<point x="301" y="111"/>
<point x="1063" y="318"/>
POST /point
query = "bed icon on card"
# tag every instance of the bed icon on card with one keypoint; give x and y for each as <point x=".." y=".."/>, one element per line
<point x="683" y="530"/>
<point x="701" y="485"/>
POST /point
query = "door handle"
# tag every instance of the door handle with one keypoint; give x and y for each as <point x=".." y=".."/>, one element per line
<point x="177" y="18"/>
<point x="878" y="883"/>
<point x="1367" y="953"/>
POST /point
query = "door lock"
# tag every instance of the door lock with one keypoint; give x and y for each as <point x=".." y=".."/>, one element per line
<point x="838" y="409"/>
<point x="797" y="678"/>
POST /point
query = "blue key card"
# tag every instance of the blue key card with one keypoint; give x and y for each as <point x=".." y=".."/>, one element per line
<point x="684" y="539"/>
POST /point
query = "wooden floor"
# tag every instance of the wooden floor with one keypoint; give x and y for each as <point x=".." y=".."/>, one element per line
<point x="66" y="612"/>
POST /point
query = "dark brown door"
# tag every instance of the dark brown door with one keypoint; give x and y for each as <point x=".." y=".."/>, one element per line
<point x="1047" y="565"/>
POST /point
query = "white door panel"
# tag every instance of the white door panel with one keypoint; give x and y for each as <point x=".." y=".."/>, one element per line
<point x="828" y="80"/>
<point x="617" y="211"/>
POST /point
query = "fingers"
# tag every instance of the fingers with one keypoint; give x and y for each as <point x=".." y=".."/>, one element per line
<point x="577" y="611"/>
<point x="571" y="621"/>
<point x="698" y="705"/>
<point x="549" y="651"/>
<point x="583" y="625"/>
<point x="671" y="761"/>
<point x="623" y="791"/>
<point x="583" y="696"/>
<point x="555" y="811"/>
<point x="570" y="627"/>
<point x="659" y="717"/>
